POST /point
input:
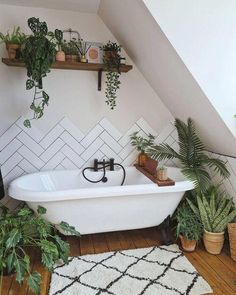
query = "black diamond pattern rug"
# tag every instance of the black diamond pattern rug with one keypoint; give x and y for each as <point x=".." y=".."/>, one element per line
<point x="160" y="270"/>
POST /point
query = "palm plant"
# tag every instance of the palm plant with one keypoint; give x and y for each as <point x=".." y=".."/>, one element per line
<point x="214" y="209"/>
<point x="191" y="155"/>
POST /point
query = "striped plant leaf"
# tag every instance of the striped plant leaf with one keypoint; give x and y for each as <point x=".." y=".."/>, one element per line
<point x="223" y="214"/>
<point x="224" y="222"/>
<point x="203" y="214"/>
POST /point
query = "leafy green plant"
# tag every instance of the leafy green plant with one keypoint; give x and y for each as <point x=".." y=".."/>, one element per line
<point x="141" y="143"/>
<point x="15" y="37"/>
<point x="59" y="39"/>
<point x="111" y="61"/>
<point x="191" y="155"/>
<point x="82" y="47"/>
<point x="22" y="229"/>
<point x="188" y="225"/>
<point x="214" y="209"/>
<point x="38" y="55"/>
<point x="70" y="48"/>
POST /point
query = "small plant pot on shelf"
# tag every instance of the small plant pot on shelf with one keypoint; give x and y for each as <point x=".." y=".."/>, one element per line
<point x="60" y="56"/>
<point x="232" y="239"/>
<point x="162" y="174"/>
<point x="110" y="55"/>
<point x="83" y="59"/>
<point x="187" y="245"/>
<point x="142" y="159"/>
<point x="213" y="242"/>
<point x="12" y="50"/>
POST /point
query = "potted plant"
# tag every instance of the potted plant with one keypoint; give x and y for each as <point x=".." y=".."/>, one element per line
<point x="215" y="211"/>
<point x="141" y="143"/>
<point x="189" y="228"/>
<point x="60" y="55"/>
<point x="162" y="173"/>
<point x="13" y="41"/>
<point x="83" y="49"/>
<point x="112" y="61"/>
<point x="22" y="229"/>
<point x="191" y="155"/>
<point x="71" y="50"/>
<point x="232" y="238"/>
<point x="38" y="54"/>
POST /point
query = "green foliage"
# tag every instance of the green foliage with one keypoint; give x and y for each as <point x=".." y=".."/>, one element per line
<point x="215" y="209"/>
<point x="112" y="68"/>
<point x="38" y="55"/>
<point x="188" y="225"/>
<point x="141" y="143"/>
<point x="82" y="47"/>
<point x="71" y="47"/>
<point x="21" y="229"/>
<point x="16" y="37"/>
<point x="59" y="38"/>
<point x="191" y="155"/>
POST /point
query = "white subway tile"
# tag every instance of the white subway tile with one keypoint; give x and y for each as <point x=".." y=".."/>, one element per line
<point x="67" y="164"/>
<point x="52" y="150"/>
<point x="9" y="150"/>
<point x="11" y="163"/>
<point x="72" y="129"/>
<point x="31" y="157"/>
<point x="91" y="150"/>
<point x="115" y="133"/>
<point x="126" y="138"/>
<point x="110" y="141"/>
<point x="146" y="127"/>
<point x="30" y="143"/>
<point x="51" y="136"/>
<point x="109" y="153"/>
<point x="74" y="144"/>
<point x="69" y="153"/>
<point x="91" y="136"/>
<point x="16" y="172"/>
<point x="33" y="132"/>
<point x="54" y="162"/>
<point x="9" y="135"/>
<point x="27" y="166"/>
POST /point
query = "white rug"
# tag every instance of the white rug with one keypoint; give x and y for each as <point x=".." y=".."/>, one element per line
<point x="149" y="271"/>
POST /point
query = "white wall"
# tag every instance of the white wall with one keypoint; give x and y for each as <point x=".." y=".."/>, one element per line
<point x="203" y="33"/>
<point x="163" y="68"/>
<point x="74" y="93"/>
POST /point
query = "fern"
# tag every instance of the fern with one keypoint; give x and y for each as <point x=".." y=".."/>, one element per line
<point x="191" y="155"/>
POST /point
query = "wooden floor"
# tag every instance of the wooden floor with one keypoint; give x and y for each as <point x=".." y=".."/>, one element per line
<point x="219" y="271"/>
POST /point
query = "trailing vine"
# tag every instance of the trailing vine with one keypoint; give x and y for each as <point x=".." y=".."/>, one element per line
<point x="38" y="55"/>
<point x="111" y="61"/>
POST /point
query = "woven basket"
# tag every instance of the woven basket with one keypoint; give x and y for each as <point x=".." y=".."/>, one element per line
<point x="232" y="239"/>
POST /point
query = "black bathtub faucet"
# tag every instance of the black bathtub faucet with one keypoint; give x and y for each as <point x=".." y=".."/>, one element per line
<point x="104" y="164"/>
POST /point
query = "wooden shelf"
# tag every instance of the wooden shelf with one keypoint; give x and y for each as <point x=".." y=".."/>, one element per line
<point x="65" y="65"/>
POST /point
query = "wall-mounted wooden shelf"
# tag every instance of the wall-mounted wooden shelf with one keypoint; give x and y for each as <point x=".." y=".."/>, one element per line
<point x="65" y="65"/>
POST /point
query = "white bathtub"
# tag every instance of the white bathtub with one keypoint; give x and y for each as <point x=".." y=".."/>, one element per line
<point x="102" y="207"/>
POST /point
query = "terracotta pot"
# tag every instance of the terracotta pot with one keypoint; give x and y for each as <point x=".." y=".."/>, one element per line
<point x="60" y="56"/>
<point x="187" y="245"/>
<point x="162" y="174"/>
<point x="213" y="242"/>
<point x="72" y="57"/>
<point x="142" y="158"/>
<point x="232" y="239"/>
<point x="12" y="50"/>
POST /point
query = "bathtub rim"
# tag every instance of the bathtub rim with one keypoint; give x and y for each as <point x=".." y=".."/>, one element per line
<point x="16" y="192"/>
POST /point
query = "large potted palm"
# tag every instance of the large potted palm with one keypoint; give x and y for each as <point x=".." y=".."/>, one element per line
<point x="215" y="211"/>
<point x="191" y="155"/>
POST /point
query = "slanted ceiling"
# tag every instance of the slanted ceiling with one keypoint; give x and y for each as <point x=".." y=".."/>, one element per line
<point x="89" y="6"/>
<point x="153" y="54"/>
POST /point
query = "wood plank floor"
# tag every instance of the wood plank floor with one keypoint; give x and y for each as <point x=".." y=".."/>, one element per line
<point x="219" y="271"/>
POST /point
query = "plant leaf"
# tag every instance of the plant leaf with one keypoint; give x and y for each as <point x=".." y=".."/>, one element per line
<point x="41" y="210"/>
<point x="34" y="281"/>
<point x="14" y="238"/>
<point x="29" y="84"/>
<point x="68" y="228"/>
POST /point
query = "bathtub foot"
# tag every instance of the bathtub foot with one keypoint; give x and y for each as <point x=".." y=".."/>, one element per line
<point x="166" y="232"/>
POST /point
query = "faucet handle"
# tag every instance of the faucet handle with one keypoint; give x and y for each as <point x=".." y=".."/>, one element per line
<point x="112" y="164"/>
<point x="95" y="166"/>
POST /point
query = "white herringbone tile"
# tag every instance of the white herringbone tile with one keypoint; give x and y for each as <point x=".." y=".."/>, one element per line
<point x="9" y="135"/>
<point x="72" y="129"/>
<point x="9" y="150"/>
<point x="51" y="136"/>
<point x="110" y="129"/>
<point x="91" y="136"/>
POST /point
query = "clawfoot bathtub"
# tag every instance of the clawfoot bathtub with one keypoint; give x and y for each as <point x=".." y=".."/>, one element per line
<point x="101" y="207"/>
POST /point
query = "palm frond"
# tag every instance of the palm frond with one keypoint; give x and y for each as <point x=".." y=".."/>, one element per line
<point x="162" y="152"/>
<point x="217" y="165"/>
<point x="199" y="177"/>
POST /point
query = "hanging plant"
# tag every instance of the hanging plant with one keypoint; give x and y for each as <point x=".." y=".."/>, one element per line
<point x="38" y="55"/>
<point x="111" y="61"/>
